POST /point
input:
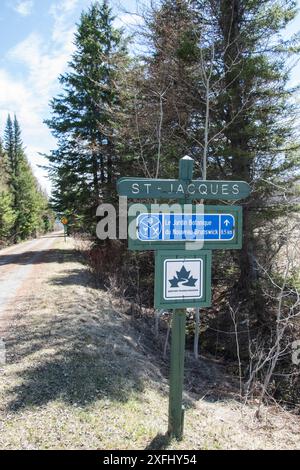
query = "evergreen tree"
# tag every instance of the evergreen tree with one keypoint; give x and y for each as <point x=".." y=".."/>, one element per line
<point x="84" y="165"/>
<point x="9" y="147"/>
<point x="252" y="114"/>
<point x="15" y="154"/>
<point x="18" y="150"/>
<point x="3" y="166"/>
<point x="23" y="206"/>
<point x="7" y="216"/>
<point x="239" y="115"/>
<point x="30" y="203"/>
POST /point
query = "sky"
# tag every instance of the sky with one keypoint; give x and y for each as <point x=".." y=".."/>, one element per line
<point x="36" y="42"/>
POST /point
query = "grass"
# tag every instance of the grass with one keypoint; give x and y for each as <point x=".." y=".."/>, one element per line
<point x="83" y="375"/>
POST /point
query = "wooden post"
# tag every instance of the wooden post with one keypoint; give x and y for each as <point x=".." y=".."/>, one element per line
<point x="176" y="410"/>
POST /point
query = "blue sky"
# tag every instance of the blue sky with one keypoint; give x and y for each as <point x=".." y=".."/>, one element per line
<point x="35" y="45"/>
<point x="36" y="42"/>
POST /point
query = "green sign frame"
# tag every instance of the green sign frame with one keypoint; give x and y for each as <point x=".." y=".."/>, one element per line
<point x="182" y="276"/>
<point x="202" y="297"/>
<point x="135" y="244"/>
<point x="147" y="188"/>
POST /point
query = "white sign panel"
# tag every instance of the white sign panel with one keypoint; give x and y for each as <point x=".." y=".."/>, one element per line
<point x="183" y="279"/>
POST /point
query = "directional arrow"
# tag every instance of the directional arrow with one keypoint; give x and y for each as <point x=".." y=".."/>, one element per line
<point x="226" y="222"/>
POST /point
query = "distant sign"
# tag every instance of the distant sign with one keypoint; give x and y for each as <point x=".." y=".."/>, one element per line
<point x="64" y="221"/>
<point x="144" y="188"/>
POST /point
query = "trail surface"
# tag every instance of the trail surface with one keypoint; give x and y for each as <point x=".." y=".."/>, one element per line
<point x="16" y="264"/>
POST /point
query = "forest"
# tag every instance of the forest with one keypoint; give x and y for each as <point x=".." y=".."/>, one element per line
<point x="24" y="207"/>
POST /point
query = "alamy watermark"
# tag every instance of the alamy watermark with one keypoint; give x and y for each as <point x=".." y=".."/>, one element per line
<point x="155" y="222"/>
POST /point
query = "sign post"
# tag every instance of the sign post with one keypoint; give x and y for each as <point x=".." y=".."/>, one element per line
<point x="65" y="222"/>
<point x="176" y="409"/>
<point x="183" y="276"/>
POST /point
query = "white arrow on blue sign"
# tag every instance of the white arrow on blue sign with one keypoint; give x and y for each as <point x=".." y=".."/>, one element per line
<point x="179" y="227"/>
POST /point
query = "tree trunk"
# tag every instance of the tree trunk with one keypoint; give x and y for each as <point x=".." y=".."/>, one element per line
<point x="96" y="178"/>
<point x="241" y="155"/>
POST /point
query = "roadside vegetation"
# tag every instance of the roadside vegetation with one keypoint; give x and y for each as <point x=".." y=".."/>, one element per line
<point x="85" y="372"/>
<point x="24" y="207"/>
<point x="211" y="80"/>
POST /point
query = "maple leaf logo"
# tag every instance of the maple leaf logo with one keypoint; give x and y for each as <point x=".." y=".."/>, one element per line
<point x="184" y="278"/>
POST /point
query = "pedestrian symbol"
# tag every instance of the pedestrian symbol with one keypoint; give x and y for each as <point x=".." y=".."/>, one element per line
<point x="150" y="227"/>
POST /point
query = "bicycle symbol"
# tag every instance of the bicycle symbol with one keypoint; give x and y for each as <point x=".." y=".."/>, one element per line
<point x="149" y="227"/>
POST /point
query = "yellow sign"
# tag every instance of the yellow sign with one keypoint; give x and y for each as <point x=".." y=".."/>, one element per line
<point x="64" y="221"/>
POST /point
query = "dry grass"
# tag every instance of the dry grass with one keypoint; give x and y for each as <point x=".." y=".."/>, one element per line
<point x="80" y="374"/>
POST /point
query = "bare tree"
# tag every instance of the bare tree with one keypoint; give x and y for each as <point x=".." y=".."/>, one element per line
<point x="266" y="353"/>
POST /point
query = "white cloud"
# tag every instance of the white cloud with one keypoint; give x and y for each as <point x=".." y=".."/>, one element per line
<point x="24" y="7"/>
<point x="17" y="98"/>
<point x="44" y="64"/>
<point x="29" y="95"/>
<point x="128" y="19"/>
<point x="61" y="11"/>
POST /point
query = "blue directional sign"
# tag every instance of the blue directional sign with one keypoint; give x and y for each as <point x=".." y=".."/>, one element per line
<point x="180" y="227"/>
<point x="218" y="227"/>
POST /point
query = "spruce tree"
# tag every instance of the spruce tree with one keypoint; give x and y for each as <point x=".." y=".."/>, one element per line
<point x="23" y="205"/>
<point x="162" y="92"/>
<point x="3" y="166"/>
<point x="9" y="145"/>
<point x="84" y="165"/>
<point x="7" y="214"/>
<point x="253" y="112"/>
<point x="248" y="132"/>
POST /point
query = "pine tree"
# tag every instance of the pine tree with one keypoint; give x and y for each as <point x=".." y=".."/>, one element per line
<point x="30" y="203"/>
<point x="23" y="205"/>
<point x="84" y="165"/>
<point x="18" y="150"/>
<point x="7" y="216"/>
<point x="253" y="111"/>
<point x="15" y="154"/>
<point x="9" y="145"/>
<point x="240" y="122"/>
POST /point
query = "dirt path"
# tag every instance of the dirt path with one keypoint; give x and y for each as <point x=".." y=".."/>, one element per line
<point x="17" y="263"/>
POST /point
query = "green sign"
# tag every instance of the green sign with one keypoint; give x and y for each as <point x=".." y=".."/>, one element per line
<point x="219" y="227"/>
<point x="183" y="275"/>
<point x="144" y="188"/>
<point x="182" y="279"/>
